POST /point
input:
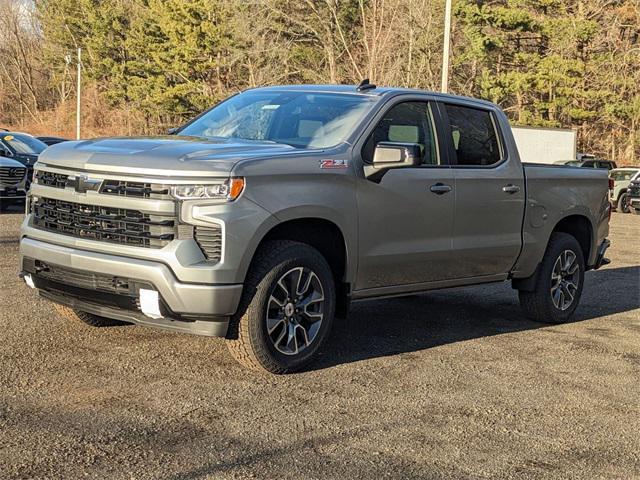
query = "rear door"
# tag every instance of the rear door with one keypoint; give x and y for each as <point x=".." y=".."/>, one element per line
<point x="405" y="219"/>
<point x="489" y="193"/>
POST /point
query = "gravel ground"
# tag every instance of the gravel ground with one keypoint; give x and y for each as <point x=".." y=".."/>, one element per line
<point x="451" y="384"/>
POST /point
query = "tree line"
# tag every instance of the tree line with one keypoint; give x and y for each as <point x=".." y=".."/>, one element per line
<point x="151" y="64"/>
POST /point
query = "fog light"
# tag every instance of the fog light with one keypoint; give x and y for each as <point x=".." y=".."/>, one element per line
<point x="29" y="281"/>
<point x="150" y="303"/>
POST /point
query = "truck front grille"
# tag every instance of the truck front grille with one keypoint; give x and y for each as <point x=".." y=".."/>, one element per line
<point x="209" y="240"/>
<point x="50" y="179"/>
<point x="134" y="189"/>
<point x="634" y="189"/>
<point x="12" y="175"/>
<point x="107" y="224"/>
<point x="121" y="188"/>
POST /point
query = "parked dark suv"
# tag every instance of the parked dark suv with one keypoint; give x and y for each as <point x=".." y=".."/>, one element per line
<point x="21" y="147"/>
<point x="634" y="196"/>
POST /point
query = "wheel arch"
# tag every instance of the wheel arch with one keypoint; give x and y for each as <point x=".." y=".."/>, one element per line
<point x="326" y="236"/>
<point x="577" y="225"/>
<point x="580" y="227"/>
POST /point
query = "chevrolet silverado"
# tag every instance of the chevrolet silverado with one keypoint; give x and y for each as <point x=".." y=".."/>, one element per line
<point x="262" y="219"/>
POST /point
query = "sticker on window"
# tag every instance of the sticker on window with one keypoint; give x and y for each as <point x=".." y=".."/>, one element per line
<point x="333" y="164"/>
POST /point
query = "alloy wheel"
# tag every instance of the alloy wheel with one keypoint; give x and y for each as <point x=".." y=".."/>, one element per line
<point x="565" y="279"/>
<point x="295" y="311"/>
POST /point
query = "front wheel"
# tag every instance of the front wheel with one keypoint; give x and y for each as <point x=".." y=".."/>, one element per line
<point x="559" y="284"/>
<point x="623" y="203"/>
<point x="287" y="308"/>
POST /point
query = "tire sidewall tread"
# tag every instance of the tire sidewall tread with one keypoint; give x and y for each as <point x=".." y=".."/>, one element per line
<point x="537" y="304"/>
<point x="247" y="340"/>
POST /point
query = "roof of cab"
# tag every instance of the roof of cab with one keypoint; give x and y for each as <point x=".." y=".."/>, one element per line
<point x="370" y="92"/>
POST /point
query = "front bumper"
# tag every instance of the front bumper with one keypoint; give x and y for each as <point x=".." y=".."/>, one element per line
<point x="12" y="193"/>
<point x="190" y="307"/>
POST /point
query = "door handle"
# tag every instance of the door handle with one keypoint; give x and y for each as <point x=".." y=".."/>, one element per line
<point x="440" y="188"/>
<point x="511" y="188"/>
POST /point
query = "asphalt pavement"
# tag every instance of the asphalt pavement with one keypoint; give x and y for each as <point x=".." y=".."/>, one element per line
<point x="451" y="384"/>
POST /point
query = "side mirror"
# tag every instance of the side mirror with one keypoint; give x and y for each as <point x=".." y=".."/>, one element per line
<point x="172" y="131"/>
<point x="396" y="155"/>
<point x="5" y="153"/>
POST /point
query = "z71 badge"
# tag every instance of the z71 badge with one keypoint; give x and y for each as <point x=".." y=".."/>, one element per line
<point x="333" y="164"/>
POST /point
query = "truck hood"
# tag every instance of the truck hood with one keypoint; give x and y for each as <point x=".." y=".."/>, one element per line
<point x="159" y="156"/>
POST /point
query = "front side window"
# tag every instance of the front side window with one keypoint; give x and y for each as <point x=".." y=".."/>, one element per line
<point x="299" y="119"/>
<point x="407" y="122"/>
<point x="474" y="136"/>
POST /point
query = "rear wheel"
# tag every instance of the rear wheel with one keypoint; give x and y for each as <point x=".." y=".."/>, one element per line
<point x="559" y="283"/>
<point x="623" y="203"/>
<point x="287" y="308"/>
<point x="84" y="317"/>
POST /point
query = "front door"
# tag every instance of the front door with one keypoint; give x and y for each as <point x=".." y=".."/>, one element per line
<point x="406" y="219"/>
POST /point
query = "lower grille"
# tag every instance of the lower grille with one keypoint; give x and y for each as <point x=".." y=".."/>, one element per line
<point x="79" y="278"/>
<point x="107" y="224"/>
<point x="12" y="175"/>
<point x="209" y="240"/>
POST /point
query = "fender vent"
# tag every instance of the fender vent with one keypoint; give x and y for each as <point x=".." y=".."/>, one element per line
<point x="209" y="240"/>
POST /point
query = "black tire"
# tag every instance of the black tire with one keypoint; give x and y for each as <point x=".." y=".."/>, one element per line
<point x="248" y="338"/>
<point x="538" y="304"/>
<point x="623" y="203"/>
<point x="84" y="317"/>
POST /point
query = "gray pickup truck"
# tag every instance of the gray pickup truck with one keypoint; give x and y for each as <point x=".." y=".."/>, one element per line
<point x="264" y="217"/>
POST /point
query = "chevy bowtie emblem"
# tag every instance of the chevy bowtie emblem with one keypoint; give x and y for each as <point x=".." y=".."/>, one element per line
<point x="82" y="183"/>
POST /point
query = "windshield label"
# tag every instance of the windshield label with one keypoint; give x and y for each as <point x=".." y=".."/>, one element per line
<point x="333" y="164"/>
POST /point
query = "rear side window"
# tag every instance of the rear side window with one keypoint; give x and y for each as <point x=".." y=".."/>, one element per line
<point x="474" y="136"/>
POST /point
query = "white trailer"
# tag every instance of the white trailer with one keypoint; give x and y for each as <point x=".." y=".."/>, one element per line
<point x="545" y="145"/>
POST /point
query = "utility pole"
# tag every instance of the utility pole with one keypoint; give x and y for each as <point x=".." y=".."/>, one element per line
<point x="445" y="50"/>
<point x="78" y="91"/>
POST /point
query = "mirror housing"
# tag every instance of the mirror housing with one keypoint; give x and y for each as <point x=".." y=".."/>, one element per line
<point x="396" y="155"/>
<point x="388" y="155"/>
<point x="173" y="130"/>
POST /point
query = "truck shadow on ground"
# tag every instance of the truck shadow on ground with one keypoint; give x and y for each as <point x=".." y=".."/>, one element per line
<point x="382" y="328"/>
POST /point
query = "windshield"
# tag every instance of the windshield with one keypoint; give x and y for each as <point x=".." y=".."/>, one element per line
<point x="621" y="175"/>
<point x="25" y="144"/>
<point x="299" y="119"/>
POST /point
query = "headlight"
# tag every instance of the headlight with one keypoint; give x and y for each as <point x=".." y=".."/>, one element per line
<point x="228" y="190"/>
